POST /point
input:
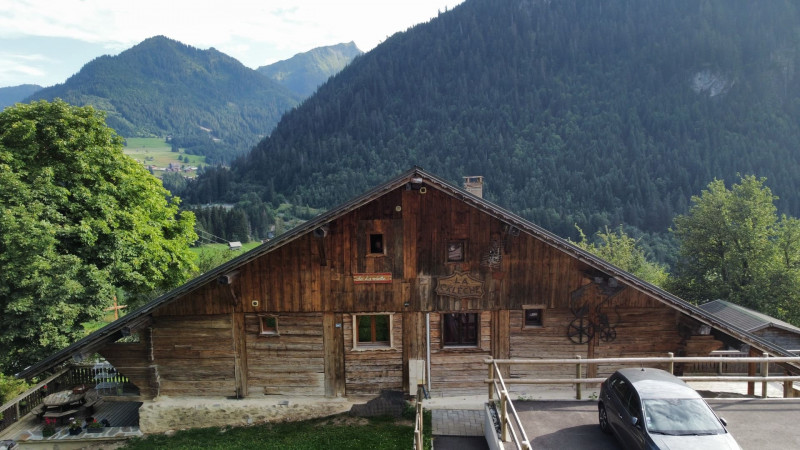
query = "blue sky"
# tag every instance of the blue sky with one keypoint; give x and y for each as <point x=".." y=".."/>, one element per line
<point x="46" y="41"/>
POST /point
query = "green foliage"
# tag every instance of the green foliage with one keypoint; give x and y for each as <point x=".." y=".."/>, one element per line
<point x="79" y="220"/>
<point x="379" y="434"/>
<point x="11" y="387"/>
<point x="210" y="103"/>
<point x="624" y="252"/>
<point x="733" y="246"/>
<point x="577" y="112"/>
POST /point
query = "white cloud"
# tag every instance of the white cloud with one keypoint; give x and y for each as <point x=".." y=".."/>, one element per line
<point x="256" y="32"/>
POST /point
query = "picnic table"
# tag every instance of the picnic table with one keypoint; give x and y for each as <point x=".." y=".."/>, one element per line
<point x="63" y="404"/>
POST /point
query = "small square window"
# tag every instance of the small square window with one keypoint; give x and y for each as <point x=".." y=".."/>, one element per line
<point x="268" y="325"/>
<point x="533" y="317"/>
<point x="376" y="244"/>
<point x="456" y="251"/>
<point x="373" y="330"/>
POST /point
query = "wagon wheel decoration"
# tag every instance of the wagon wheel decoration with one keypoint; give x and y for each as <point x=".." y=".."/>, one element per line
<point x="580" y="330"/>
<point x="607" y="334"/>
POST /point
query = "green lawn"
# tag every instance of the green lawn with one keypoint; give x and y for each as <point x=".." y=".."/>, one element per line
<point x="335" y="432"/>
<point x="156" y="152"/>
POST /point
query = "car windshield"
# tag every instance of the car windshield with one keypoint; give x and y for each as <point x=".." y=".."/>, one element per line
<point x="681" y="416"/>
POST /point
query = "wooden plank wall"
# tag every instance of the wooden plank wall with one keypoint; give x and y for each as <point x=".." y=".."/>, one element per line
<point x="369" y="371"/>
<point x="459" y="371"/>
<point x="194" y="355"/>
<point x="131" y="360"/>
<point x="292" y="363"/>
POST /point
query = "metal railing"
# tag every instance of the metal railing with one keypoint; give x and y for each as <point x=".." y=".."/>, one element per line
<point x="18" y="407"/>
<point x="510" y="423"/>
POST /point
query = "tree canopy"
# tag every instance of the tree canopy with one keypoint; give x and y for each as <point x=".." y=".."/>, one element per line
<point x="735" y="247"/>
<point x="624" y="252"/>
<point x="79" y="219"/>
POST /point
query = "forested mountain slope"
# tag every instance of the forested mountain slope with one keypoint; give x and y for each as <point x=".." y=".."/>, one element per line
<point x="304" y="72"/>
<point x="207" y="101"/>
<point x="14" y="94"/>
<point x="587" y="112"/>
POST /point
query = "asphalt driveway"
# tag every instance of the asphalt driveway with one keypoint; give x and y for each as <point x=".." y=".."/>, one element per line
<point x="755" y="423"/>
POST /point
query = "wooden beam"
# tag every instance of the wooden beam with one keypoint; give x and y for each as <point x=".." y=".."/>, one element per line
<point x="239" y="354"/>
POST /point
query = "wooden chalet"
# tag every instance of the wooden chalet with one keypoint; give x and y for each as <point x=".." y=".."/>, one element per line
<point x="414" y="280"/>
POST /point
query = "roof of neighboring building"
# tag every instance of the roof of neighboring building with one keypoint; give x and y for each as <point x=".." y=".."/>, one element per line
<point x="414" y="176"/>
<point x="745" y="318"/>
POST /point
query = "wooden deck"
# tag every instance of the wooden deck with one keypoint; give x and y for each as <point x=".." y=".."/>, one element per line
<point x="122" y="415"/>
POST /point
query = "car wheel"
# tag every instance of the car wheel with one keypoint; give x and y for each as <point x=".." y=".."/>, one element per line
<point x="603" y="418"/>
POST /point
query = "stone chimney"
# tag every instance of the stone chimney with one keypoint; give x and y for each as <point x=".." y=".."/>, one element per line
<point x="474" y="185"/>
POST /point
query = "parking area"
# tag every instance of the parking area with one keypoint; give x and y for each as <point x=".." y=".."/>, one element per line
<point x="755" y="423"/>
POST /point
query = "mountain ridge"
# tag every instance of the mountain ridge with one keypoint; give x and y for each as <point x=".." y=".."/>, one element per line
<point x="304" y="72"/>
<point x="162" y="87"/>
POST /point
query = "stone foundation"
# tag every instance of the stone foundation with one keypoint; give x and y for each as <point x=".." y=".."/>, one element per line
<point x="164" y="414"/>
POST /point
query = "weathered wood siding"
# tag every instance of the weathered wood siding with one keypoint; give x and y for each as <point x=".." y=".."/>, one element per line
<point x="784" y="338"/>
<point x="207" y="342"/>
<point x="291" y="363"/>
<point x="131" y="359"/>
<point x="371" y="370"/>
<point x="194" y="355"/>
<point x="459" y="370"/>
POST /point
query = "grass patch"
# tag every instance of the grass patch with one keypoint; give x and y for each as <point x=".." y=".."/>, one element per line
<point x="156" y="152"/>
<point x="335" y="432"/>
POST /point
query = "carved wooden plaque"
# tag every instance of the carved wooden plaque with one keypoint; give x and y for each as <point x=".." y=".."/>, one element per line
<point x="459" y="285"/>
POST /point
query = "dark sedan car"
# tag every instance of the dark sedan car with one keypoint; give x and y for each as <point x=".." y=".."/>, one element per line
<point x="652" y="409"/>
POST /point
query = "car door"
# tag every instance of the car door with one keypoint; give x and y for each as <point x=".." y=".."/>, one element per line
<point x="619" y="394"/>
<point x="634" y="434"/>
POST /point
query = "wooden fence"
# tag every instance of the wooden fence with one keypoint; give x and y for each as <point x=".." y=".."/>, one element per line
<point x="511" y="426"/>
<point x="66" y="378"/>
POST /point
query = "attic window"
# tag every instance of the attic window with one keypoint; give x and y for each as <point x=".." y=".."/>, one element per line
<point x="268" y="325"/>
<point x="376" y="246"/>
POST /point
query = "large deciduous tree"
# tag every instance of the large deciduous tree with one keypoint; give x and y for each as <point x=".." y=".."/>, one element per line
<point x="733" y="246"/>
<point x="78" y="219"/>
<point x="624" y="252"/>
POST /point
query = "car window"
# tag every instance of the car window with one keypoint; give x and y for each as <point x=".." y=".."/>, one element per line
<point x="683" y="416"/>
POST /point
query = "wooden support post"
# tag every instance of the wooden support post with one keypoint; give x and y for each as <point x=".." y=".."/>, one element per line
<point x="788" y="386"/>
<point x="578" y="372"/>
<point x="671" y="364"/>
<point x="751" y="372"/>
<point x="765" y="374"/>
<point x="491" y="378"/>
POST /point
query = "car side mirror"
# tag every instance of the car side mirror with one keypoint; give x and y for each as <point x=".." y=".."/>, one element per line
<point x="723" y="421"/>
<point x="634" y="421"/>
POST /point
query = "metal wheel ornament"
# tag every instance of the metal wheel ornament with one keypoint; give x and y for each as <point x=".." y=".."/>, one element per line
<point x="607" y="334"/>
<point x="580" y="330"/>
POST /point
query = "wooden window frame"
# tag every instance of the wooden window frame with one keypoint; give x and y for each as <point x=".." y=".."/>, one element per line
<point x="264" y="329"/>
<point x="525" y="309"/>
<point x="456" y="242"/>
<point x="372" y="238"/>
<point x="379" y="345"/>
<point x="448" y="344"/>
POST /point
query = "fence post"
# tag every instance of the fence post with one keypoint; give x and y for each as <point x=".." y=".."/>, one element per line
<point x="578" y="371"/>
<point x="491" y="380"/>
<point x="671" y="363"/>
<point x="765" y="374"/>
